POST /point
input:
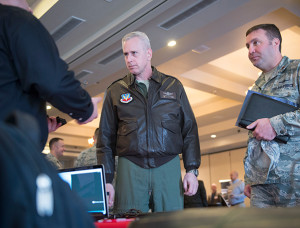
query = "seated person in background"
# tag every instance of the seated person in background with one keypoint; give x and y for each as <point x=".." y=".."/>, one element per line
<point x="215" y="199"/>
<point x="236" y="194"/>
<point x="197" y="200"/>
<point x="88" y="156"/>
<point x="57" y="148"/>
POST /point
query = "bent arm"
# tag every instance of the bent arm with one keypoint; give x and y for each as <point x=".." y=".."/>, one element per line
<point x="43" y="73"/>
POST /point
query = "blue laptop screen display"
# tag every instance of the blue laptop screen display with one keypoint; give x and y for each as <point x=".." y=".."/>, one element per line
<point x="89" y="185"/>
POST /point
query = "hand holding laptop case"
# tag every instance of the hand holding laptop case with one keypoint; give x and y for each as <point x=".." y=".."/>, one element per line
<point x="257" y="106"/>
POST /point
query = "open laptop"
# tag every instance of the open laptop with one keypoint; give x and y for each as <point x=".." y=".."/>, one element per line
<point x="224" y="201"/>
<point x="89" y="184"/>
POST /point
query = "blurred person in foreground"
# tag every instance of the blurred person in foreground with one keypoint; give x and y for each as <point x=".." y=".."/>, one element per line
<point x="32" y="73"/>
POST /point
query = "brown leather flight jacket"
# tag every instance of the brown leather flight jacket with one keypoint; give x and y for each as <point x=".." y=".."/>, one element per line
<point x="148" y="129"/>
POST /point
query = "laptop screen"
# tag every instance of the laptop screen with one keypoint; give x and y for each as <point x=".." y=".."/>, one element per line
<point x="89" y="183"/>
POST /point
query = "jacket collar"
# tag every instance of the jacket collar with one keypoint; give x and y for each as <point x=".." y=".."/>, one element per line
<point x="156" y="76"/>
<point x="260" y="82"/>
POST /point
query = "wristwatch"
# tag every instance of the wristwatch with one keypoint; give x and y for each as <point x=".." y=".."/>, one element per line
<point x="194" y="171"/>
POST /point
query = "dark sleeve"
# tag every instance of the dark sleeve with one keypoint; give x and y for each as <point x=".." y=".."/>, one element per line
<point x="203" y="194"/>
<point x="106" y="143"/>
<point x="191" y="146"/>
<point x="40" y="69"/>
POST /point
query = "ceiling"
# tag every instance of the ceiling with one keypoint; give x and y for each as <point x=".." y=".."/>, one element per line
<point x="210" y="57"/>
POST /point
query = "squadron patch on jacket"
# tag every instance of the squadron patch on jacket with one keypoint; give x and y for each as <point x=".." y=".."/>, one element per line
<point x="126" y="98"/>
<point x="167" y="95"/>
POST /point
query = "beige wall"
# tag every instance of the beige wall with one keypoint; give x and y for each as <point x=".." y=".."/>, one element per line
<point x="215" y="167"/>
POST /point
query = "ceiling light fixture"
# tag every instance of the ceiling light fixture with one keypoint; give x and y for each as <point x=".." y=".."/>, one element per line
<point x="213" y="136"/>
<point x="48" y="107"/>
<point x="172" y="43"/>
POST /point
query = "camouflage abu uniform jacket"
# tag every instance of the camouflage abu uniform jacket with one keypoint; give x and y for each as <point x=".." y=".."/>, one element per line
<point x="87" y="157"/>
<point x="54" y="161"/>
<point x="283" y="83"/>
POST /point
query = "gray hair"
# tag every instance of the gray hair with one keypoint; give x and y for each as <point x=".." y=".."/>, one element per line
<point x="142" y="36"/>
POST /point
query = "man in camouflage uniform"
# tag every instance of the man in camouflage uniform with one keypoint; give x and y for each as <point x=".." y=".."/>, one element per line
<point x="271" y="171"/>
<point x="88" y="156"/>
<point x="57" y="148"/>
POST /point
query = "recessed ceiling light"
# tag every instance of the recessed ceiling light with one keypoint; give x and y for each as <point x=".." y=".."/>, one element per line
<point x="172" y="43"/>
<point x="213" y="136"/>
<point x="48" y="107"/>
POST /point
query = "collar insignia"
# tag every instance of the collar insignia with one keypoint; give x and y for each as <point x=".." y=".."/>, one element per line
<point x="126" y="98"/>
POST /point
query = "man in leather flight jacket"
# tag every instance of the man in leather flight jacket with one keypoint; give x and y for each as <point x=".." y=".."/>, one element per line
<point x="147" y="121"/>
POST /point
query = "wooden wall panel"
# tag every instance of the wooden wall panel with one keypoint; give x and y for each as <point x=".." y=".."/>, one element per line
<point x="219" y="167"/>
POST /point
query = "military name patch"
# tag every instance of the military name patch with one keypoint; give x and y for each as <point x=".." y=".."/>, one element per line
<point x="167" y="95"/>
<point x="126" y="98"/>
